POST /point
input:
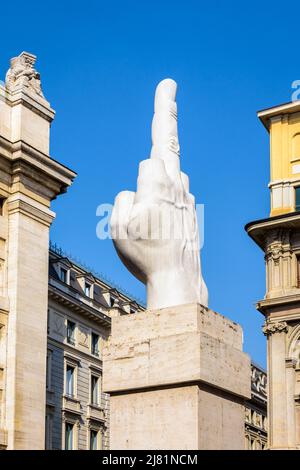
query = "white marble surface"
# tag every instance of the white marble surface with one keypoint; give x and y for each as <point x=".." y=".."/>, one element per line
<point x="155" y="229"/>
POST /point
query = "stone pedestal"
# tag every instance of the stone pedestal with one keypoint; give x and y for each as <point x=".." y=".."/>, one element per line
<point x="177" y="378"/>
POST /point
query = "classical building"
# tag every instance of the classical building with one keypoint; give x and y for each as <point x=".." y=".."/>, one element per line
<point x="29" y="180"/>
<point x="256" y="411"/>
<point x="279" y="238"/>
<point x="80" y="308"/>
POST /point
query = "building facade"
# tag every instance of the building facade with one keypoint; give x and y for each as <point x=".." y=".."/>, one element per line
<point x="279" y="238"/>
<point x="79" y="317"/>
<point x="29" y="180"/>
<point x="80" y="308"/>
<point x="256" y="411"/>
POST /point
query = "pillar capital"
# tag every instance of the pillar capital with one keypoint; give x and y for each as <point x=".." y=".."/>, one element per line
<point x="270" y="328"/>
<point x="34" y="211"/>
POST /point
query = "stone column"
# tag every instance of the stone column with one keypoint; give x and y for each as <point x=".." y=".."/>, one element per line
<point x="291" y="415"/>
<point x="177" y="379"/>
<point x="297" y="413"/>
<point x="277" y="393"/>
<point x="29" y="180"/>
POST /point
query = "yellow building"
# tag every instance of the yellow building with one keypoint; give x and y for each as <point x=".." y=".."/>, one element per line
<point x="283" y="124"/>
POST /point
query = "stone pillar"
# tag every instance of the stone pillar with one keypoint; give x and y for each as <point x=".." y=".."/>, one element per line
<point x="29" y="180"/>
<point x="282" y="428"/>
<point x="177" y="379"/>
<point x="297" y="413"/>
<point x="291" y="415"/>
<point x="277" y="393"/>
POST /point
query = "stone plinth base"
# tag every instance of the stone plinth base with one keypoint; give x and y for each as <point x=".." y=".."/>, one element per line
<point x="177" y="379"/>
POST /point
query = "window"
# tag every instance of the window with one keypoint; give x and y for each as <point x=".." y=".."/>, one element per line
<point x="71" y="332"/>
<point x="297" y="198"/>
<point x="95" y="390"/>
<point x="64" y="275"/>
<point x="95" y="344"/>
<point x="87" y="289"/>
<point x="69" y="436"/>
<point x="70" y="382"/>
<point x="93" y="439"/>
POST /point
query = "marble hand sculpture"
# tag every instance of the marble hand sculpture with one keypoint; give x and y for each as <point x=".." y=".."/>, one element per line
<point x="155" y="230"/>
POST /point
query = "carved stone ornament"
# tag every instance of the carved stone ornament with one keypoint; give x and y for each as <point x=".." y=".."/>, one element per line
<point x="278" y="327"/>
<point x="274" y="252"/>
<point x="22" y="75"/>
<point x="57" y="324"/>
<point x="259" y="381"/>
<point x="83" y="336"/>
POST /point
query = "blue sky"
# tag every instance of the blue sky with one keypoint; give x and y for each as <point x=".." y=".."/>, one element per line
<point x="100" y="62"/>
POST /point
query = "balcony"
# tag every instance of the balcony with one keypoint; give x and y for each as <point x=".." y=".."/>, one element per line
<point x="71" y="404"/>
<point x="95" y="412"/>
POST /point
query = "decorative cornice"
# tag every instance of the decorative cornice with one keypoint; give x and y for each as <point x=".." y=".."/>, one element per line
<point x="44" y="216"/>
<point x="27" y="149"/>
<point x="266" y="305"/>
<point x="270" y="328"/>
<point x="79" y="307"/>
<point x="107" y="285"/>
<point x="259" y="229"/>
<point x="71" y="358"/>
<point x="72" y="350"/>
<point x="35" y="103"/>
<point x="20" y="153"/>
